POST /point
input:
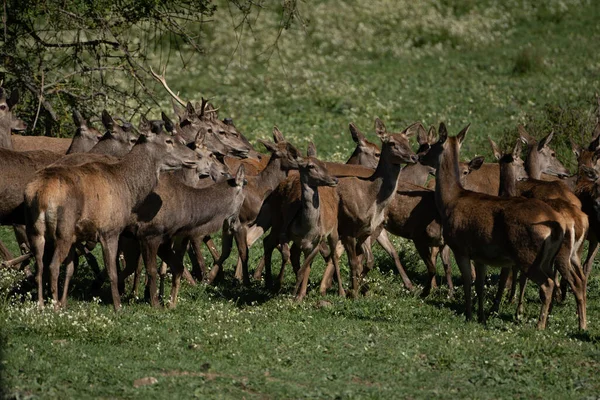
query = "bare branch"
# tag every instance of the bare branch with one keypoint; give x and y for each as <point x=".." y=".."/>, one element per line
<point x="161" y="78"/>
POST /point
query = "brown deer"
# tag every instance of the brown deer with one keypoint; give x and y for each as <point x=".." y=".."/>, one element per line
<point x="175" y="213"/>
<point x="568" y="259"/>
<point x="8" y="122"/>
<point x="316" y="220"/>
<point x="493" y="230"/>
<point x="363" y="200"/>
<point x="257" y="190"/>
<point x="94" y="202"/>
<point x="85" y="136"/>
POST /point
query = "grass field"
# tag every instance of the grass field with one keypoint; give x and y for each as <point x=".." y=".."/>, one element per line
<point x="491" y="64"/>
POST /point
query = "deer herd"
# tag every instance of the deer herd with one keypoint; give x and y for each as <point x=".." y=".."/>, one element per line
<point x="163" y="188"/>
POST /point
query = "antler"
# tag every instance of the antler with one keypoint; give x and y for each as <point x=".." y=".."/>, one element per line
<point x="161" y="78"/>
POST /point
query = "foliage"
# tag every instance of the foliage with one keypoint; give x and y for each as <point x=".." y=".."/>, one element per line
<point x="340" y="62"/>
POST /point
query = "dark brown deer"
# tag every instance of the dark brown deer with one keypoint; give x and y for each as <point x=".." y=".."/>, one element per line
<point x="568" y="259"/>
<point x="94" y="202"/>
<point x="493" y="230"/>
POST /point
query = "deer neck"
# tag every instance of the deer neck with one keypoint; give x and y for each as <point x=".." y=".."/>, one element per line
<point x="508" y="180"/>
<point x="414" y="173"/>
<point x="447" y="177"/>
<point x="532" y="164"/>
<point x="269" y="178"/>
<point x="5" y="135"/>
<point x="139" y="171"/>
<point x="309" y="214"/>
<point x="385" y="178"/>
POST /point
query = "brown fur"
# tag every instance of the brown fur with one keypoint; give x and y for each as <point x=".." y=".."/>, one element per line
<point x="94" y="202"/>
<point x="493" y="230"/>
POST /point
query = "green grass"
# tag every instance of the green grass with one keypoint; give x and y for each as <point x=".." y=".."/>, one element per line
<point x="492" y="65"/>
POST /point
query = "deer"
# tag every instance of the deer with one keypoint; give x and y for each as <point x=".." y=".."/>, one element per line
<point x="257" y="190"/>
<point x="493" y="230"/>
<point x="316" y="220"/>
<point x="362" y="201"/>
<point x="8" y="122"/>
<point x="94" y="201"/>
<point x="175" y="213"/>
<point x="85" y="136"/>
<point x="568" y="259"/>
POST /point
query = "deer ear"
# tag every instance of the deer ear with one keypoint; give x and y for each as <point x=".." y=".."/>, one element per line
<point x="576" y="148"/>
<point x="189" y="109"/>
<point x="107" y="120"/>
<point x="144" y="125"/>
<point x="293" y="152"/>
<point x="476" y="163"/>
<point x="443" y="132"/>
<point x="517" y="150"/>
<point x="589" y="173"/>
<point x="495" y="149"/>
<point x="169" y="126"/>
<point x="422" y="135"/>
<point x="277" y="135"/>
<point x="544" y="142"/>
<point x="525" y="137"/>
<point x="462" y="134"/>
<point x="78" y="119"/>
<point x="381" y="131"/>
<point x="13" y="99"/>
<point x="312" y="150"/>
<point x="357" y="135"/>
<point x="271" y="147"/>
<point x="179" y="111"/>
<point x="431" y="135"/>
<point x="240" y="176"/>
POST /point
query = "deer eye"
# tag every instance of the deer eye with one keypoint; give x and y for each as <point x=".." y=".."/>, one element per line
<point x="2" y="107"/>
<point x="377" y="154"/>
<point x="169" y="141"/>
<point x="311" y="166"/>
<point x="553" y="154"/>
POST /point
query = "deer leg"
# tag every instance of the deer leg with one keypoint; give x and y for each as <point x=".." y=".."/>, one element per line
<point x="591" y="255"/>
<point x="481" y="272"/>
<point x="216" y="273"/>
<point x="573" y="274"/>
<point x="242" y="245"/>
<point x="522" y="286"/>
<point x="38" y="243"/>
<point x="110" y="246"/>
<point x="132" y="257"/>
<point x="61" y="251"/>
<point x="445" y="252"/>
<point x="546" y="284"/>
<point x="212" y="248"/>
<point x="69" y="261"/>
<point x="4" y="252"/>
<point x="464" y="264"/>
<point x="304" y="273"/>
<point x="269" y="244"/>
<point x="350" y="245"/>
<point x="149" y="248"/>
<point x="198" y="264"/>
<point x="387" y="245"/>
<point x="513" y="284"/>
<point x="173" y="253"/>
<point x="429" y="258"/>
<point x="333" y="241"/>
<point x="504" y="273"/>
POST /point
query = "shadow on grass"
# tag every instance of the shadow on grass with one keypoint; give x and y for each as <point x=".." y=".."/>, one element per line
<point x="586" y="336"/>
